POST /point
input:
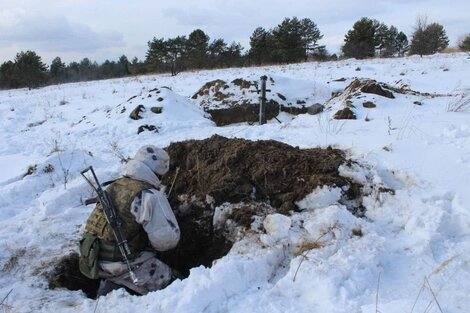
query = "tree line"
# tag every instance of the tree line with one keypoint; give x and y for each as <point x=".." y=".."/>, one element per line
<point x="293" y="40"/>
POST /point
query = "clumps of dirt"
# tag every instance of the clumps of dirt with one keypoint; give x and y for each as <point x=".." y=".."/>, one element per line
<point x="151" y="128"/>
<point x="238" y="101"/>
<point x="255" y="178"/>
<point x="244" y="112"/>
<point x="345" y="114"/>
<point x="156" y="110"/>
<point x="234" y="170"/>
<point x="212" y="86"/>
<point x="135" y="114"/>
<point x="378" y="89"/>
<point x="66" y="274"/>
<point x="243" y="84"/>
<point x="369" y="105"/>
<point x="368" y="86"/>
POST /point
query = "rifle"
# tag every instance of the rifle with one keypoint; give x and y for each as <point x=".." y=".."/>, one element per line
<point x="113" y="219"/>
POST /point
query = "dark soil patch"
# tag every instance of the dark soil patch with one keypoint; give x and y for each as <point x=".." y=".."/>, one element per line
<point x="156" y="110"/>
<point x="377" y="89"/>
<point x="151" y="128"/>
<point x="345" y="114"/>
<point x="243" y="84"/>
<point x="135" y="114"/>
<point x="206" y="88"/>
<point x="245" y="112"/>
<point x="266" y="175"/>
<point x="67" y="275"/>
<point x="294" y="110"/>
<point x="234" y="170"/>
<point x="369" y="105"/>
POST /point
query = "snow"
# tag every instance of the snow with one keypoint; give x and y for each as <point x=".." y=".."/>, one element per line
<point x="410" y="244"/>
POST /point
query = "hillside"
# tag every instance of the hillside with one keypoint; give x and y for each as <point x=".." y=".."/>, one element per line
<point x="401" y="244"/>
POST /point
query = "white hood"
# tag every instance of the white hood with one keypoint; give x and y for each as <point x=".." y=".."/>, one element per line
<point x="138" y="170"/>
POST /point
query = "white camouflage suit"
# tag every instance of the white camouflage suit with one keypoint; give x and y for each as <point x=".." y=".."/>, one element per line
<point x="151" y="209"/>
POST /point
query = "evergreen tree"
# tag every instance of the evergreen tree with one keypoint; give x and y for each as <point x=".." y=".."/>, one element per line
<point x="7" y="75"/>
<point x="464" y="44"/>
<point x="360" y="42"/>
<point x="57" y="71"/>
<point x="428" y="38"/>
<point x="288" y="44"/>
<point x="217" y="48"/>
<point x="176" y="49"/>
<point x="29" y="71"/>
<point x="122" y="66"/>
<point x="310" y="35"/>
<point x="157" y="53"/>
<point x="260" y="46"/>
<point x="401" y="44"/>
<point x="197" y="47"/>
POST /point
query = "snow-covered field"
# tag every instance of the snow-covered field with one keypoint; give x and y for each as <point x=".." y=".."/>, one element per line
<point x="412" y="253"/>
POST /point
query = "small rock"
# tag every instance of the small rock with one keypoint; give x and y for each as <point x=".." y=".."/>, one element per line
<point x="358" y="69"/>
<point x="160" y="99"/>
<point x="369" y="105"/>
<point x="135" y="114"/>
<point x="377" y="89"/>
<point x="156" y="110"/>
<point x="147" y="127"/>
<point x="315" y="109"/>
<point x="345" y="114"/>
<point x="418" y="103"/>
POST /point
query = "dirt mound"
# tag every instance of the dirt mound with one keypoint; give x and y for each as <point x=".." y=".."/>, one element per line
<point x="238" y="101"/>
<point x="368" y="86"/>
<point x="253" y="178"/>
<point x="210" y="172"/>
<point x="234" y="170"/>
<point x="244" y="112"/>
<point x="345" y="114"/>
<point x="212" y="86"/>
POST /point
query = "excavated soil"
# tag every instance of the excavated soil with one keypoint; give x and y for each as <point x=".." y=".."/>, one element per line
<point x="261" y="177"/>
<point x="246" y="112"/>
<point x="217" y="170"/>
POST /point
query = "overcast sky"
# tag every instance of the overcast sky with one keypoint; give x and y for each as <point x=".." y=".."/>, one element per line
<point x="106" y="29"/>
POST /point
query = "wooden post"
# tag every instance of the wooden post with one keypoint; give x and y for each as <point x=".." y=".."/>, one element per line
<point x="262" y="101"/>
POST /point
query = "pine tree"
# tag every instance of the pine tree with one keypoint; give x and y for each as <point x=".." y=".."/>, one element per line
<point x="29" y="70"/>
<point x="361" y="40"/>
<point x="428" y="38"/>
<point x="197" y="47"/>
<point x="57" y="71"/>
<point x="464" y="44"/>
<point x="260" y="46"/>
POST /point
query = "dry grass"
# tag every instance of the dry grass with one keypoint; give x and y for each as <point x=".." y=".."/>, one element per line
<point x="308" y="246"/>
<point x="461" y="104"/>
<point x="13" y="261"/>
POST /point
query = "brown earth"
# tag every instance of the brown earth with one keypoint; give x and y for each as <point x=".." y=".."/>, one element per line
<point x="260" y="173"/>
<point x="345" y="114"/>
<point x="262" y="177"/>
<point x="246" y="112"/>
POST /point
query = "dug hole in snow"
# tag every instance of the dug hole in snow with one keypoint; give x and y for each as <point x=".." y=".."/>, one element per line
<point x="257" y="181"/>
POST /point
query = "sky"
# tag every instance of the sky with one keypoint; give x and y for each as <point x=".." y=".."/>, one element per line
<point x="107" y="29"/>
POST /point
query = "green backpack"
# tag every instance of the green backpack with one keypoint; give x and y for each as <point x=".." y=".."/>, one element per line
<point x="89" y="250"/>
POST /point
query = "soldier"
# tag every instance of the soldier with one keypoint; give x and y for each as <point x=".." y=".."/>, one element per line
<point x="146" y="217"/>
